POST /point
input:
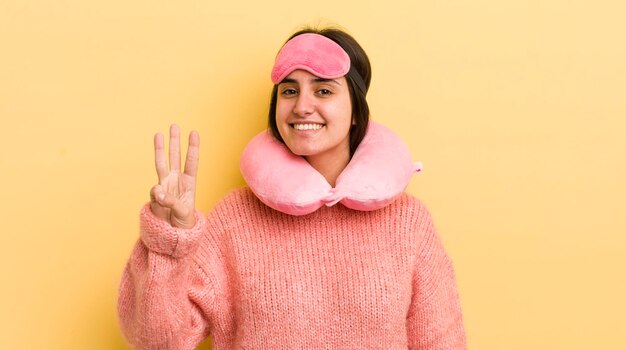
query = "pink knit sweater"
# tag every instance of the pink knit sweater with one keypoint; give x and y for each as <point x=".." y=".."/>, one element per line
<point x="255" y="278"/>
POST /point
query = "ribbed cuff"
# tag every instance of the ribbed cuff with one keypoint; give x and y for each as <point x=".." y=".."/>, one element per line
<point x="161" y="237"/>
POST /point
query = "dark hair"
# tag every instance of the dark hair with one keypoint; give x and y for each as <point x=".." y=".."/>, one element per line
<point x="361" y="64"/>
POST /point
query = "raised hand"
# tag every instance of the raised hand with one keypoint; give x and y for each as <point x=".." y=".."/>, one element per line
<point x="173" y="199"/>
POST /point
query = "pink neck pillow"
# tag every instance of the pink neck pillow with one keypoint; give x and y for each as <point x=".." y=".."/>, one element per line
<point x="377" y="174"/>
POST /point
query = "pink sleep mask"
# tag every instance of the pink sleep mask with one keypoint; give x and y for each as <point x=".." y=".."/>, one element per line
<point x="314" y="53"/>
<point x="377" y="174"/>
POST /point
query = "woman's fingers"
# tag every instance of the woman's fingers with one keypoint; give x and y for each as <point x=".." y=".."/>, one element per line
<point x="160" y="161"/>
<point x="157" y="194"/>
<point x="174" y="148"/>
<point x="162" y="198"/>
<point x="191" y="162"/>
<point x="161" y="202"/>
<point x="165" y="200"/>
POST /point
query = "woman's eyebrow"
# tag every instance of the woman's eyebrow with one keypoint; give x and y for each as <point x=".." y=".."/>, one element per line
<point x="315" y="80"/>
<point x="288" y="81"/>
<point x="322" y="80"/>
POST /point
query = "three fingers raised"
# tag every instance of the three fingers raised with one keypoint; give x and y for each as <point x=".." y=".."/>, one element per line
<point x="160" y="159"/>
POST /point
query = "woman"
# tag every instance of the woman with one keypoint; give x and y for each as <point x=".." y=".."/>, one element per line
<point x="254" y="276"/>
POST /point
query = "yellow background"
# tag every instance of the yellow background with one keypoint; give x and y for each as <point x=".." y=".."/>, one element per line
<point x="516" y="109"/>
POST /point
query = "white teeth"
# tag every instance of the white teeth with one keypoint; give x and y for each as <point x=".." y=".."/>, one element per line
<point x="307" y="126"/>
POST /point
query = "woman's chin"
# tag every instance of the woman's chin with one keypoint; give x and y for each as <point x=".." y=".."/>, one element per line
<point x="300" y="148"/>
<point x="302" y="152"/>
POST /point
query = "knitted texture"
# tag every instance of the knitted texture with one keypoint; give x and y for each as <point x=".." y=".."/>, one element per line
<point x="255" y="278"/>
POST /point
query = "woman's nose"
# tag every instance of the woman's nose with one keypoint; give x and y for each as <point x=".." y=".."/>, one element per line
<point x="305" y="105"/>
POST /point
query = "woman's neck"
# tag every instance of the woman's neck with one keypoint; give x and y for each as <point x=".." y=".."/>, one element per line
<point x="330" y="164"/>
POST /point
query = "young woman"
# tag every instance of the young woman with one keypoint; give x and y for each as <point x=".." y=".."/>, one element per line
<point x="265" y="271"/>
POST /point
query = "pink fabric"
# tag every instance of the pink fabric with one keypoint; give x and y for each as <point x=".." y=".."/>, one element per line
<point x="255" y="278"/>
<point x="314" y="53"/>
<point x="378" y="172"/>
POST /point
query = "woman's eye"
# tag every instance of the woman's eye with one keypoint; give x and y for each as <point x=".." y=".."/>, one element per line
<point x="324" y="92"/>
<point x="288" y="92"/>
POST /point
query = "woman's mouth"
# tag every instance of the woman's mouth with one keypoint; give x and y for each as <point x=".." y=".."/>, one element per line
<point x="308" y="126"/>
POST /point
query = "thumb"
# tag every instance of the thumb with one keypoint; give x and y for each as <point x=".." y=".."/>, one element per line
<point x="181" y="215"/>
<point x="163" y="198"/>
<point x="157" y="195"/>
<point x="156" y="202"/>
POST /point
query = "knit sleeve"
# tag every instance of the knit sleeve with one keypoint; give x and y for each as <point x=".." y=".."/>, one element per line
<point x="165" y="297"/>
<point x="434" y="318"/>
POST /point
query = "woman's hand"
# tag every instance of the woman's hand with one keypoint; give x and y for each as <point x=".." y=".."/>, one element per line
<point x="173" y="199"/>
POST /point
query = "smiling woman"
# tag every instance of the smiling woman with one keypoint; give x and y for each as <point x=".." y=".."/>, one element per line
<point x="369" y="273"/>
<point x="336" y="55"/>
<point x="313" y="117"/>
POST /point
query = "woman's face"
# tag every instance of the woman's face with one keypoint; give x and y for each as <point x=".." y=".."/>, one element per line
<point x="314" y="115"/>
